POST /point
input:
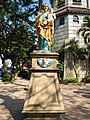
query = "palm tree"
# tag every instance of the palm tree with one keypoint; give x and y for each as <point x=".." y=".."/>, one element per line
<point x="85" y="33"/>
<point x="85" y="30"/>
<point x="75" y="55"/>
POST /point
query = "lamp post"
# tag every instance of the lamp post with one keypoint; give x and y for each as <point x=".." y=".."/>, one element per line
<point x="40" y="3"/>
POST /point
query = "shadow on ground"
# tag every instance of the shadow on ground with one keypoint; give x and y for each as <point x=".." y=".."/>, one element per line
<point x="24" y="74"/>
<point x="77" y="102"/>
<point x="14" y="106"/>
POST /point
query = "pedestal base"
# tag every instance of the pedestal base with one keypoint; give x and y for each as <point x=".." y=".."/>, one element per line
<point x="44" y="100"/>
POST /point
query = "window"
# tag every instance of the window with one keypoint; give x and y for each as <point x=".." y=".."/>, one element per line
<point x="62" y="21"/>
<point x="56" y="24"/>
<point x="61" y="3"/>
<point x="75" y="19"/>
<point x="77" y="2"/>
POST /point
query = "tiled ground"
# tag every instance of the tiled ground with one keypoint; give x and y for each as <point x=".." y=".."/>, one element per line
<point x="76" y="100"/>
<point x="12" y="100"/>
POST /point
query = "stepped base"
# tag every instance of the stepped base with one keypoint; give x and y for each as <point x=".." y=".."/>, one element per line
<point x="44" y="99"/>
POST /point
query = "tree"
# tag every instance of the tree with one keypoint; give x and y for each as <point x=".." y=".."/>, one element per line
<point x="85" y="30"/>
<point x="85" y="33"/>
<point x="76" y="53"/>
<point x="17" y="28"/>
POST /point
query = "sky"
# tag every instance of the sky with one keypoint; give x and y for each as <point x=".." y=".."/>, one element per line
<point x="47" y="1"/>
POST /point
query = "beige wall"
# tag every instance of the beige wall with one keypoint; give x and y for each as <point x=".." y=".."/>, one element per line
<point x="68" y="31"/>
<point x="70" y="3"/>
<point x="61" y="31"/>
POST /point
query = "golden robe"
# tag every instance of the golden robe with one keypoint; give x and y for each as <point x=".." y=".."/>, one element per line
<point x="45" y="28"/>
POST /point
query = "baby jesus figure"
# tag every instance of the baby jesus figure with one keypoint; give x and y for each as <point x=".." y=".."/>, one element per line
<point x="50" y="18"/>
<point x="51" y="15"/>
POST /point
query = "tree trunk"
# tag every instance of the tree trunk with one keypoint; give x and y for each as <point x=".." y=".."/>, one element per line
<point x="75" y="70"/>
<point x="87" y="69"/>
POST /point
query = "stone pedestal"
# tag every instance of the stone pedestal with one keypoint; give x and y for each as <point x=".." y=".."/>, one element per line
<point x="44" y="100"/>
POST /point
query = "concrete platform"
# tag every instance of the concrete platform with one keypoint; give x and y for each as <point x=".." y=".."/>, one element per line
<point x="76" y="100"/>
<point x="43" y="98"/>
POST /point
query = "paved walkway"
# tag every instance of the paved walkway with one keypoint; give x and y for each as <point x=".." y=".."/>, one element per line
<point x="76" y="100"/>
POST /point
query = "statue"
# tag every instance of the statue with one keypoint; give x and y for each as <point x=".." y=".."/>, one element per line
<point x="45" y="27"/>
<point x="44" y="100"/>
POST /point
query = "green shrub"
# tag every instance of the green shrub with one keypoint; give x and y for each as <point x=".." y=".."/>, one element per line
<point x="68" y="80"/>
<point x="7" y="77"/>
<point x="15" y="71"/>
<point x="86" y="79"/>
<point x="60" y="67"/>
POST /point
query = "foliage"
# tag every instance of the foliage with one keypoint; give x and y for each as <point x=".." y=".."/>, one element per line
<point x="60" y="64"/>
<point x="7" y="77"/>
<point x="80" y="53"/>
<point x="17" y="29"/>
<point x="77" y="52"/>
<point x="85" y="33"/>
<point x="68" y="80"/>
<point x="86" y="79"/>
<point x="14" y="71"/>
<point x="54" y="47"/>
<point x="85" y="30"/>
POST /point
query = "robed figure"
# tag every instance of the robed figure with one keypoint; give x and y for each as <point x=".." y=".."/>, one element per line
<point x="45" y="27"/>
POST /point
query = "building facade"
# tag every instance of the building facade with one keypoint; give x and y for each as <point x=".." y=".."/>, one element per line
<point x="70" y="16"/>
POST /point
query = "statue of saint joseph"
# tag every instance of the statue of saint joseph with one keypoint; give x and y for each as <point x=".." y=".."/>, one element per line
<point x="45" y="27"/>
